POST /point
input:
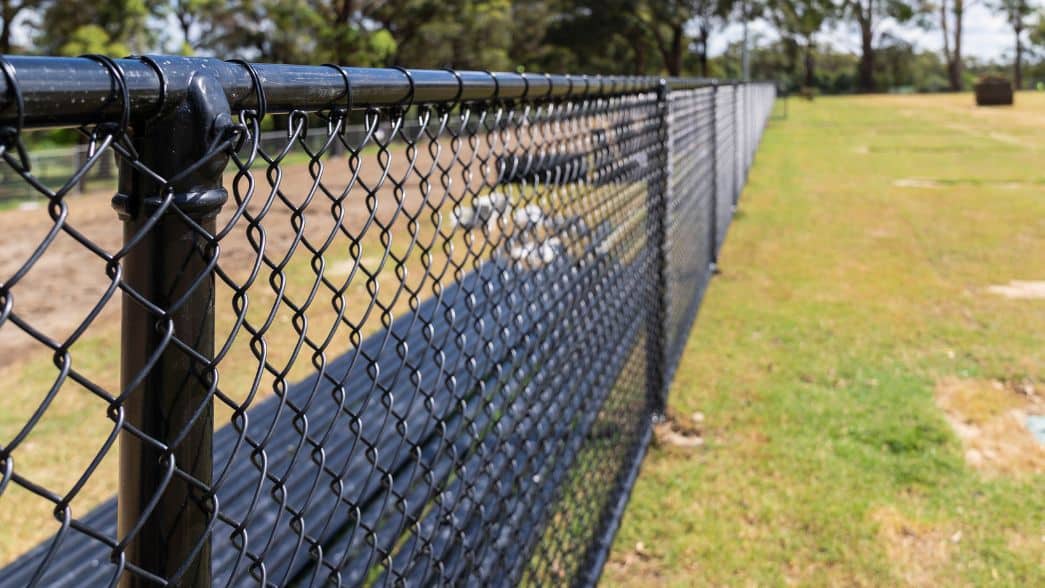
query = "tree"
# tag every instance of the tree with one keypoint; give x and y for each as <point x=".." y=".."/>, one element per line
<point x="532" y="21"/>
<point x="707" y="14"/>
<point x="868" y="14"/>
<point x="599" y="35"/>
<point x="802" y="20"/>
<point x="114" y="27"/>
<point x="667" y="21"/>
<point x="301" y="31"/>
<point x="1016" y="13"/>
<point x="466" y="34"/>
<point x="198" y="20"/>
<point x="952" y="13"/>
<point x="10" y="11"/>
<point x="1037" y="32"/>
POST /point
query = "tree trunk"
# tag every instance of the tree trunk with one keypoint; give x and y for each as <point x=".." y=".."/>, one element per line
<point x="791" y="55"/>
<point x="810" y="79"/>
<point x="954" y="69"/>
<point x="640" y="58"/>
<point x="185" y="22"/>
<point x="948" y="55"/>
<point x="1017" y="67"/>
<point x="702" y="55"/>
<point x="675" y="62"/>
<point x="5" y="32"/>
<point x="866" y="56"/>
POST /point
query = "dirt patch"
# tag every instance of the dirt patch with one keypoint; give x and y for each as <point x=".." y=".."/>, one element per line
<point x="990" y="417"/>
<point x="1020" y="290"/>
<point x="934" y="184"/>
<point x="638" y="562"/>
<point x="917" y="183"/>
<point x="66" y="280"/>
<point x="677" y="431"/>
<point x="1009" y="139"/>
<point x="918" y="551"/>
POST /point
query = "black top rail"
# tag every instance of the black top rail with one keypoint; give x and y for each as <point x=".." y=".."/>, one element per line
<point x="80" y="90"/>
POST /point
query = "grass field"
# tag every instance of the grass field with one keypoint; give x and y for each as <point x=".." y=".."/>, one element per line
<point x="860" y="388"/>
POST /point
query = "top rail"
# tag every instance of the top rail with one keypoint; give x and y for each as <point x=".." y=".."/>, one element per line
<point x="80" y="90"/>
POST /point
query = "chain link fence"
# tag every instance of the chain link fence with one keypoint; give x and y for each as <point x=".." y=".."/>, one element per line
<point x="417" y="335"/>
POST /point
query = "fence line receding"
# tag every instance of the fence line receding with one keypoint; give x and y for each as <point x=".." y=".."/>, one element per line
<point x="359" y="326"/>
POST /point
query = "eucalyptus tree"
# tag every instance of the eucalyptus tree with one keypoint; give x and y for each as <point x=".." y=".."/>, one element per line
<point x="114" y="27"/>
<point x="1017" y="13"/>
<point x="799" y="22"/>
<point x="868" y="16"/>
<point x="669" y="22"/>
<point x="10" y="13"/>
<point x="952" y="22"/>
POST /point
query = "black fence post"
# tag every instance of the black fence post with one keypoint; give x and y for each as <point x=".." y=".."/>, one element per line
<point x="737" y="149"/>
<point x="166" y="505"/>
<point x="714" y="177"/>
<point x="656" y="225"/>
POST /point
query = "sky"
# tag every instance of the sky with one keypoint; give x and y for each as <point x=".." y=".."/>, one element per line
<point x="986" y="36"/>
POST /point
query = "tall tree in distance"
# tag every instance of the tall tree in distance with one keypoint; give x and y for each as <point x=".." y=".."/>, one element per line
<point x="952" y="14"/>
<point x="706" y="16"/>
<point x="1037" y="32"/>
<point x="10" y="11"/>
<point x="198" y="21"/>
<point x="1017" y="12"/>
<point x="113" y="27"/>
<point x="801" y="21"/>
<point x="868" y="15"/>
<point x="466" y="34"/>
<point x="531" y="22"/>
<point x="606" y="36"/>
<point x="668" y="23"/>
<point x="300" y="31"/>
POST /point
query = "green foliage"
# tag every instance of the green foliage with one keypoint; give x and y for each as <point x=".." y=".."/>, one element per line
<point x="115" y="27"/>
<point x="601" y="36"/>
<point x="88" y="39"/>
<point x="1037" y="32"/>
<point x="463" y="34"/>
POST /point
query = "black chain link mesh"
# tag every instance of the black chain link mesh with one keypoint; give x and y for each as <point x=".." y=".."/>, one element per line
<point x="432" y="338"/>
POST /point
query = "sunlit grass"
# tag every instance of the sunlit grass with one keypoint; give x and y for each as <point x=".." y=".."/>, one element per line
<point x="852" y="282"/>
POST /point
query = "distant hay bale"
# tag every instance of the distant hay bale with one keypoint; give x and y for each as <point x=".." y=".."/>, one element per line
<point x="993" y="91"/>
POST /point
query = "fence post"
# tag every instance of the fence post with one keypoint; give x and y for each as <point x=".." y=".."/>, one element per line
<point x="735" y="128"/>
<point x="656" y="238"/>
<point x="714" y="176"/>
<point x="166" y="506"/>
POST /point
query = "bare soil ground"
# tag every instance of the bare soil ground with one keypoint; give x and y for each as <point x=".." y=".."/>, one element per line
<point x="990" y="419"/>
<point x="68" y="280"/>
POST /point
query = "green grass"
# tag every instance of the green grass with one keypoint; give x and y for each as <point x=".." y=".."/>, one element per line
<point x="853" y="283"/>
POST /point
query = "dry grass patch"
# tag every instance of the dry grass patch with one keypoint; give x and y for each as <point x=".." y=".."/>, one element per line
<point x="1020" y="290"/>
<point x="990" y="418"/>
<point x="636" y="563"/>
<point x="679" y="431"/>
<point x="918" y="551"/>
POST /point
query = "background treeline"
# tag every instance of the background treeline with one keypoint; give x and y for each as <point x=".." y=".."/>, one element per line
<point x="591" y="36"/>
